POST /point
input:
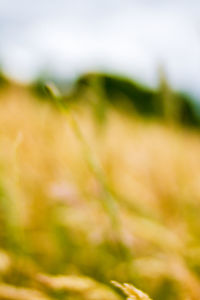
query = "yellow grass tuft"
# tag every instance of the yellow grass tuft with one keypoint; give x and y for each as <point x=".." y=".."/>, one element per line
<point x="8" y="292"/>
<point x="130" y="291"/>
<point x="79" y="285"/>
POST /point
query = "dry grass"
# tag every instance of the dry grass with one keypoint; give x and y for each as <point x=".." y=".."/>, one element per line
<point x="127" y="208"/>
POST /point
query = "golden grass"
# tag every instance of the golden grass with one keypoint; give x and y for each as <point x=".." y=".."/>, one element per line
<point x="59" y="195"/>
<point x="131" y="292"/>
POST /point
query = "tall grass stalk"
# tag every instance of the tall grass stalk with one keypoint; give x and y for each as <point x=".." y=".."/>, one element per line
<point x="109" y="202"/>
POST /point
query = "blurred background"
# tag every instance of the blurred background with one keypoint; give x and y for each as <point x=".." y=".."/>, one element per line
<point x="132" y="38"/>
<point x="99" y="149"/>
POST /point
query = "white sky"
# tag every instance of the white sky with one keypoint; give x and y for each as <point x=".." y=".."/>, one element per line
<point x="130" y="37"/>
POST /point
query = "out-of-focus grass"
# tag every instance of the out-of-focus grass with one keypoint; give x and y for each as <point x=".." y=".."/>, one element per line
<point x="58" y="239"/>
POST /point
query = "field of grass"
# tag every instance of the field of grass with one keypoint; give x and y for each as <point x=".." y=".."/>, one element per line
<point x="83" y="203"/>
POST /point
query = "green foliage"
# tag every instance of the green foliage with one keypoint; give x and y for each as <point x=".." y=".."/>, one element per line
<point x="124" y="93"/>
<point x="3" y="80"/>
<point x="38" y="88"/>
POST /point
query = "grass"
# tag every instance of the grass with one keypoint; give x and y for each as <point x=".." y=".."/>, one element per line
<point x="82" y="205"/>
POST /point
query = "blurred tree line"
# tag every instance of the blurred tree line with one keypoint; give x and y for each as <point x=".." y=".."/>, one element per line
<point x="101" y="89"/>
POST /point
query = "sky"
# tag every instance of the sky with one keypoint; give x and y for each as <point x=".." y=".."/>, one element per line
<point x="128" y="37"/>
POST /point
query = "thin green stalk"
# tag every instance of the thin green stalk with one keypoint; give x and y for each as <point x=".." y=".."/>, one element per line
<point x="109" y="202"/>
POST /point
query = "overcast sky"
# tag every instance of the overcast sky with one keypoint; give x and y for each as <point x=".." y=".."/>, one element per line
<point x="130" y="37"/>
